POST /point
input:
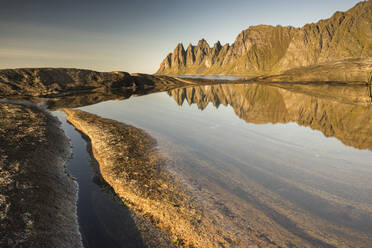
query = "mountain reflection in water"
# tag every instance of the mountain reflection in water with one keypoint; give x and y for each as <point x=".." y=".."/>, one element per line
<point x="319" y="199"/>
<point x="275" y="185"/>
<point x="339" y="111"/>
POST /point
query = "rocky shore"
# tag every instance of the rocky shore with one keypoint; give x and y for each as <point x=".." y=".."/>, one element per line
<point x="37" y="197"/>
<point x="33" y="182"/>
<point x="130" y="163"/>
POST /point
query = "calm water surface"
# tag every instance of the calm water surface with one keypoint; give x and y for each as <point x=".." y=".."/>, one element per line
<point x="104" y="220"/>
<point x="221" y="77"/>
<point x="291" y="165"/>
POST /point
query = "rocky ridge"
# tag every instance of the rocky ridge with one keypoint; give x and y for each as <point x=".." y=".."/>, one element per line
<point x="268" y="49"/>
<point x="65" y="81"/>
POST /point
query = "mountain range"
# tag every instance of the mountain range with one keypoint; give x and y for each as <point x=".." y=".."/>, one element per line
<point x="265" y="49"/>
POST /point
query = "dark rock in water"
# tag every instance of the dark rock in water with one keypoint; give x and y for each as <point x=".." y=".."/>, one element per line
<point x="266" y="49"/>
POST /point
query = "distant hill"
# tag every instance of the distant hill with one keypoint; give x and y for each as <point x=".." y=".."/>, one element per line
<point x="66" y="81"/>
<point x="265" y="49"/>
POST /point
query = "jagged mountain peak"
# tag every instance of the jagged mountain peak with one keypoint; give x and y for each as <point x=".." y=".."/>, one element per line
<point x="203" y="43"/>
<point x="179" y="47"/>
<point x="217" y="45"/>
<point x="272" y="49"/>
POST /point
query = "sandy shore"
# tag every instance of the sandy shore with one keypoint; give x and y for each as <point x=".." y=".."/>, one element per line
<point x="37" y="197"/>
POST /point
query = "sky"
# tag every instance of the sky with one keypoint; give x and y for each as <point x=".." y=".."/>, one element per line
<point x="136" y="35"/>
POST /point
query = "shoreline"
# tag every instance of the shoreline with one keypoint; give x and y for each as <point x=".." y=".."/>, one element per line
<point x="130" y="163"/>
<point x="118" y="225"/>
<point x="39" y="148"/>
<point x="38" y="199"/>
<point x="52" y="82"/>
<point x="349" y="71"/>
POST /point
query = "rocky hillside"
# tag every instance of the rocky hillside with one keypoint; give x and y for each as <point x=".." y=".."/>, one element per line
<point x="268" y="49"/>
<point x="57" y="81"/>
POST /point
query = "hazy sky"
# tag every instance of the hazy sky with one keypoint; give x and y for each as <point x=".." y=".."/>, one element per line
<point x="135" y="35"/>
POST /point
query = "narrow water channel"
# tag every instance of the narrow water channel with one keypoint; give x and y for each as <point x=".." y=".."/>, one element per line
<point x="104" y="221"/>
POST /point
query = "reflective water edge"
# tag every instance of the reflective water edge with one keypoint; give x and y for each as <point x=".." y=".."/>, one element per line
<point x="290" y="165"/>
